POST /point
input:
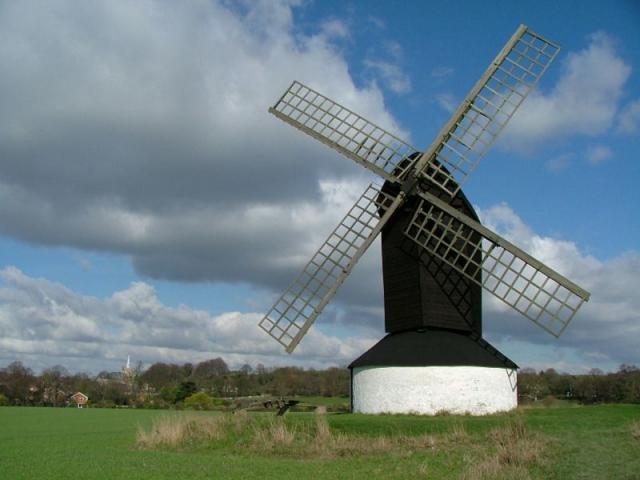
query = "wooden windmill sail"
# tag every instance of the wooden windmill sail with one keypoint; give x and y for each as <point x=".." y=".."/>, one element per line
<point x="441" y="224"/>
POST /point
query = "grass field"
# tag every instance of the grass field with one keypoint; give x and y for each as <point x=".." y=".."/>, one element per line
<point x="596" y="442"/>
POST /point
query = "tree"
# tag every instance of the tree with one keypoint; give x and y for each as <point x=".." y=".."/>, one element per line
<point x="336" y="382"/>
<point x="20" y="381"/>
<point x="160" y="375"/>
<point x="169" y="394"/>
<point x="533" y="386"/>
<point x="52" y="380"/>
<point x="187" y="370"/>
<point x="624" y="368"/>
<point x="209" y="369"/>
<point x="185" y="389"/>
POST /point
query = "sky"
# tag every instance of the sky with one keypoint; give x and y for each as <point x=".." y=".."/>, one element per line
<point x="150" y="206"/>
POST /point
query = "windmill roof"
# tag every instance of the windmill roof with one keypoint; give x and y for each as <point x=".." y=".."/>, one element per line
<point x="433" y="347"/>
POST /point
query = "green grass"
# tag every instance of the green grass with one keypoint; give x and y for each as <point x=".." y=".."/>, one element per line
<point x="583" y="443"/>
<point x="326" y="401"/>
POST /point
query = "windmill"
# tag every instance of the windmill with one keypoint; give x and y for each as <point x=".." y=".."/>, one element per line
<point x="436" y="256"/>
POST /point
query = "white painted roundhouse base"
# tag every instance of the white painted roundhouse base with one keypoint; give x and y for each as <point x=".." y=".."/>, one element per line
<point x="432" y="390"/>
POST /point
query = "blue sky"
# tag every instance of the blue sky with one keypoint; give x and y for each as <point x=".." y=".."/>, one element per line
<point x="150" y="206"/>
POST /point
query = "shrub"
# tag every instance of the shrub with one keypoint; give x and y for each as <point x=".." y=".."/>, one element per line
<point x="199" y="401"/>
<point x="4" y="401"/>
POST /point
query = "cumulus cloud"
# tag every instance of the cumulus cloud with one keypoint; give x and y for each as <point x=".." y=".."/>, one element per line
<point x="583" y="101"/>
<point x="45" y="323"/>
<point x="142" y="128"/>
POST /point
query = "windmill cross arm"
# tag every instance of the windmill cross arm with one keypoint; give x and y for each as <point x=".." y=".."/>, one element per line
<point x="504" y="243"/>
<point x="485" y="111"/>
<point x="538" y="292"/>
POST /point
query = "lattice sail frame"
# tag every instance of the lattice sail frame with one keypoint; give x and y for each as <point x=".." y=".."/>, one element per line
<point x="485" y="111"/>
<point x="296" y="310"/>
<point x="519" y="280"/>
<point x="344" y="130"/>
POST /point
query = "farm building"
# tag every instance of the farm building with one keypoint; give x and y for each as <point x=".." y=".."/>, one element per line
<point x="80" y="399"/>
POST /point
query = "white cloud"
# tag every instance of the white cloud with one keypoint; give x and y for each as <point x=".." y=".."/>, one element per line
<point x="394" y="49"/>
<point x="377" y="22"/>
<point x="596" y="154"/>
<point x="130" y="128"/>
<point x="45" y="323"/>
<point x="446" y="101"/>
<point x="391" y="74"/>
<point x="559" y="162"/>
<point x="441" y="71"/>
<point x="583" y="101"/>
<point x="629" y="118"/>
<point x="335" y="28"/>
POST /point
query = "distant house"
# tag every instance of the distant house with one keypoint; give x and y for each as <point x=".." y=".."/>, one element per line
<point x="80" y="399"/>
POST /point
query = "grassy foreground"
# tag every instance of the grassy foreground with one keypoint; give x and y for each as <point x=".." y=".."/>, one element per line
<point x="550" y="443"/>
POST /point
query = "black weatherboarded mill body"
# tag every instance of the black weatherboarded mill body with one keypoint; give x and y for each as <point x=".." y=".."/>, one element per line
<point x="433" y="313"/>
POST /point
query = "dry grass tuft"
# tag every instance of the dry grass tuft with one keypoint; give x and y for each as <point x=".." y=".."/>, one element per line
<point x="327" y="444"/>
<point x="458" y="433"/>
<point x="277" y="436"/>
<point x="515" y="451"/>
<point x="274" y="436"/>
<point x="635" y="429"/>
<point x="179" y="430"/>
<point x="509" y="451"/>
<point x="239" y="421"/>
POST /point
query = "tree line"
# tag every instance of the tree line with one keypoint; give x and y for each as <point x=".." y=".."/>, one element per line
<point x="596" y="386"/>
<point x="168" y="385"/>
<point x="165" y="385"/>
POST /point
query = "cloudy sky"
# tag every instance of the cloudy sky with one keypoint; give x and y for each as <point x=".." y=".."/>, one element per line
<point x="150" y="206"/>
